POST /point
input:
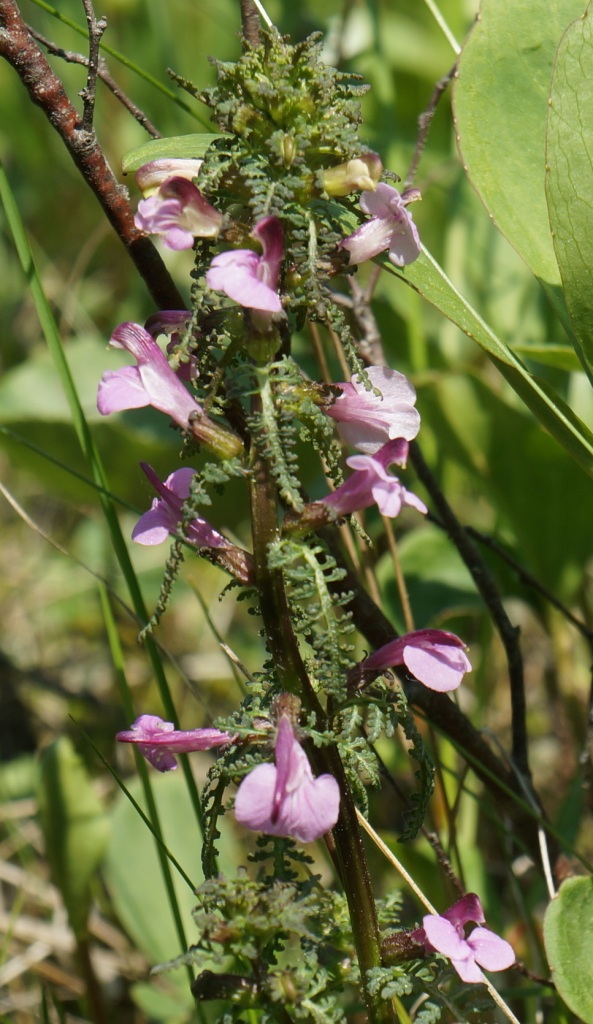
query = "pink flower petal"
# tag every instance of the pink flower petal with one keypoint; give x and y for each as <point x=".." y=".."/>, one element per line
<point x="438" y="667"/>
<point x="121" y="389"/>
<point x="490" y="951"/>
<point x="443" y="936"/>
<point x="367" y="420"/>
<point x="154" y="527"/>
<point x="236" y="274"/>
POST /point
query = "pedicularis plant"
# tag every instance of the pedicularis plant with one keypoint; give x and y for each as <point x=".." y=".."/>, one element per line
<point x="281" y="204"/>
<point x="269" y="209"/>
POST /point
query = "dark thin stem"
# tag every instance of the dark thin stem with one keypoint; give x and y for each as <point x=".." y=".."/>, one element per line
<point x="89" y="93"/>
<point x="93" y="994"/>
<point x="103" y="73"/>
<point x="250" y="23"/>
<point x="46" y="90"/>
<point x="484" y="581"/>
<point x="345" y="841"/>
<point x="424" y="123"/>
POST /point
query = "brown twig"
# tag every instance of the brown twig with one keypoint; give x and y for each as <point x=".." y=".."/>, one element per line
<point x="484" y="581"/>
<point x="250" y="23"/>
<point x="88" y="95"/>
<point x="46" y="90"/>
<point x="103" y="73"/>
<point x="424" y="123"/>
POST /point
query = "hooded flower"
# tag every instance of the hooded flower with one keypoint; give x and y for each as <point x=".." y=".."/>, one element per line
<point x="250" y="279"/>
<point x="166" y="513"/>
<point x="435" y="657"/>
<point x="284" y="799"/>
<point x="367" y="420"/>
<point x="159" y="741"/>
<point x="175" y="207"/>
<point x="362" y="173"/>
<point x="371" y="483"/>
<point x="391" y="227"/>
<point x="152" y="175"/>
<point x="151" y="382"/>
<point x="482" y="948"/>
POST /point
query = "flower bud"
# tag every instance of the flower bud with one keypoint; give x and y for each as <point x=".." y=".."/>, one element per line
<point x="288" y="150"/>
<point x="362" y="173"/>
<point x="399" y="947"/>
<point x="152" y="175"/>
<point x="221" y="441"/>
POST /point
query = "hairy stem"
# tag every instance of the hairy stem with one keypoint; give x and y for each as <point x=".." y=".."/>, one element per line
<point x="345" y="842"/>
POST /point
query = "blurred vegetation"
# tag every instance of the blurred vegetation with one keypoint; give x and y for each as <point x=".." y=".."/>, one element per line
<point x="501" y="472"/>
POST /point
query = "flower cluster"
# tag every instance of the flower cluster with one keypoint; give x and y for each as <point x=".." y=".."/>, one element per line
<point x="281" y="799"/>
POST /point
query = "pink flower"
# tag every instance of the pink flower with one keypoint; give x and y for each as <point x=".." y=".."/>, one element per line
<point x="445" y="934"/>
<point x="247" y="278"/>
<point x="151" y="382"/>
<point x="371" y="483"/>
<point x="159" y="741"/>
<point x="165" y="514"/>
<point x="366" y="420"/>
<point x="391" y="227"/>
<point x="435" y="657"/>
<point x="177" y="209"/>
<point x="284" y="799"/>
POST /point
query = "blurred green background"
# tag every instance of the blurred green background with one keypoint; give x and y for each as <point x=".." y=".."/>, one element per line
<point x="500" y="471"/>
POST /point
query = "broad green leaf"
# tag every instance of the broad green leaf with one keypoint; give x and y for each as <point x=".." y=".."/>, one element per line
<point x="568" y="937"/>
<point x="428" y="278"/>
<point x="75" y="828"/>
<point x="132" y="868"/>
<point x="500" y="103"/>
<point x="133" y="877"/>
<point x="569" y="178"/>
<point x="179" y="147"/>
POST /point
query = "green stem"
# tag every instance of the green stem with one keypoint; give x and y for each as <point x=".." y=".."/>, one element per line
<point x="345" y="841"/>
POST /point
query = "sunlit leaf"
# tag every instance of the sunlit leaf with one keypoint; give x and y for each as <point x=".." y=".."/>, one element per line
<point x="180" y="147"/>
<point x="569" y="178"/>
<point x="500" y="103"/>
<point x="568" y="937"/>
